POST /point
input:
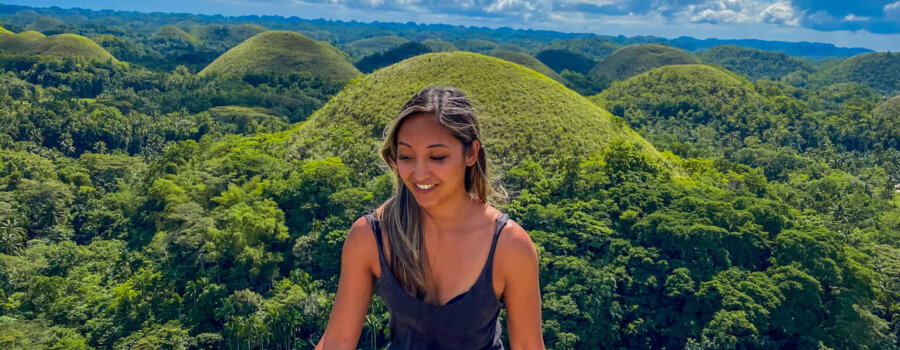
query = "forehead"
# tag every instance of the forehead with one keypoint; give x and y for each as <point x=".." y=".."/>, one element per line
<point x="422" y="130"/>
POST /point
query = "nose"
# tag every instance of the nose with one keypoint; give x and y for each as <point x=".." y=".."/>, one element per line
<point x="420" y="170"/>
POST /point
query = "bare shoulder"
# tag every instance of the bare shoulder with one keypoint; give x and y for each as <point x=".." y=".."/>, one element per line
<point x="360" y="246"/>
<point x="515" y="247"/>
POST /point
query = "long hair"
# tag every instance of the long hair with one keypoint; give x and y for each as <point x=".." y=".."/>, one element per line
<point x="401" y="215"/>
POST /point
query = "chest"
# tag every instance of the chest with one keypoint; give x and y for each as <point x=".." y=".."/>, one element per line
<point x="454" y="264"/>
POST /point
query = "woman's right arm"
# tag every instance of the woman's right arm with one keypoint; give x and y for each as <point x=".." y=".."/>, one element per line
<point x="354" y="291"/>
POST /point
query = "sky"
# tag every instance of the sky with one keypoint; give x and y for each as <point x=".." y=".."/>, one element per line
<point x="872" y="24"/>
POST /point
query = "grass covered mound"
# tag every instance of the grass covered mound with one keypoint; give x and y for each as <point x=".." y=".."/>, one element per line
<point x="60" y="45"/>
<point x="365" y="47"/>
<point x="877" y="70"/>
<point x="245" y="31"/>
<point x="693" y="91"/>
<point x="44" y="24"/>
<point x="282" y="52"/>
<point x="523" y="114"/>
<point x="4" y="31"/>
<point x="593" y="48"/>
<point x="172" y="33"/>
<point x="756" y="64"/>
<point x="636" y="59"/>
<point x="439" y="45"/>
<point x="527" y="61"/>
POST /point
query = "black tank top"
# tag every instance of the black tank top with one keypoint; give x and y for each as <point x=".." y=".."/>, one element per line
<point x="468" y="321"/>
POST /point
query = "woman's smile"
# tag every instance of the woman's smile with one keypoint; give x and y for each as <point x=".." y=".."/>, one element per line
<point x="422" y="188"/>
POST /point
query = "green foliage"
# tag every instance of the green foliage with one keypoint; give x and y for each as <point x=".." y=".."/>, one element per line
<point x="755" y="64"/>
<point x="560" y="60"/>
<point x="877" y="70"/>
<point x="383" y="59"/>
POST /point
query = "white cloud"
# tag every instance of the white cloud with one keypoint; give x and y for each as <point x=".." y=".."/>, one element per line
<point x="713" y="16"/>
<point x="509" y="6"/>
<point x="779" y="13"/>
<point x="892" y="6"/>
<point x="854" y="18"/>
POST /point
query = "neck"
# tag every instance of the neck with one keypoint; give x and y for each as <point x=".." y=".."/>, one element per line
<point x="446" y="217"/>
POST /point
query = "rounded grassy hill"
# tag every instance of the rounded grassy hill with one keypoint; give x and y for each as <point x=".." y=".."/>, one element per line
<point x="44" y="24"/>
<point x="364" y="47"/>
<point x="593" y="48"/>
<point x="439" y="45"/>
<point x="527" y="61"/>
<point x="281" y="52"/>
<point x="170" y="33"/>
<point x="692" y="90"/>
<point x="60" y="45"/>
<point x="245" y="31"/>
<point x="636" y="59"/>
<point x="889" y="110"/>
<point x="523" y="114"/>
<point x="877" y="70"/>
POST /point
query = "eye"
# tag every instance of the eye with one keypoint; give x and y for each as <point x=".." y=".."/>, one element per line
<point x="439" y="158"/>
<point x="403" y="157"/>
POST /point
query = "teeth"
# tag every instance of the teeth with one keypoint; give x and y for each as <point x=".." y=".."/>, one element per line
<point x="424" y="187"/>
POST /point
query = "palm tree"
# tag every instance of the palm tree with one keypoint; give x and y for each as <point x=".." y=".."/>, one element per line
<point x="12" y="236"/>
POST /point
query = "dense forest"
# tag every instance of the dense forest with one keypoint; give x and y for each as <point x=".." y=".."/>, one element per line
<point x="175" y="181"/>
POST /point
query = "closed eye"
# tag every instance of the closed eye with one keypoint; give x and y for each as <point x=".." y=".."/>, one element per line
<point x="438" y="159"/>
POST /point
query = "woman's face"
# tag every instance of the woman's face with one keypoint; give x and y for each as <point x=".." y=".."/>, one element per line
<point x="430" y="160"/>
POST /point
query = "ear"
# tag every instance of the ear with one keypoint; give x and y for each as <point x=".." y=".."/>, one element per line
<point x="472" y="157"/>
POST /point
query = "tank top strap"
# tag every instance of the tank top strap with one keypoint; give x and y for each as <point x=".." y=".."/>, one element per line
<point x="500" y="223"/>
<point x="376" y="228"/>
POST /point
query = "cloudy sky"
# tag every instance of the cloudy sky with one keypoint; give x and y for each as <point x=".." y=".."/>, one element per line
<point x="873" y="24"/>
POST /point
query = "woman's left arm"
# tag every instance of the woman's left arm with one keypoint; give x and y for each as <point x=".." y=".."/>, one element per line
<point x="522" y="291"/>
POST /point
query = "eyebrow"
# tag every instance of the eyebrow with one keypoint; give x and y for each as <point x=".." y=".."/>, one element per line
<point x="429" y="146"/>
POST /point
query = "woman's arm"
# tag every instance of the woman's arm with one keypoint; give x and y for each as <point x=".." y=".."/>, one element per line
<point x="522" y="291"/>
<point x="354" y="291"/>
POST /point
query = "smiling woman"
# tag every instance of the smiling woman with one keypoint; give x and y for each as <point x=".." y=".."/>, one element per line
<point x="437" y="272"/>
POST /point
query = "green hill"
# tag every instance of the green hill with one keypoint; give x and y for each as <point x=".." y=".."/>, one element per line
<point x="524" y="115"/>
<point x="5" y="31"/>
<point x="692" y="89"/>
<point x="593" y="48"/>
<point x="756" y="64"/>
<point x="560" y="60"/>
<point x="60" y="45"/>
<point x="365" y="47"/>
<point x="527" y="61"/>
<point x="243" y="32"/>
<point x="877" y="70"/>
<point x="280" y="52"/>
<point x="474" y="45"/>
<point x="439" y="45"/>
<point x="673" y="105"/>
<point x="44" y="24"/>
<point x="636" y="59"/>
<point x="170" y="33"/>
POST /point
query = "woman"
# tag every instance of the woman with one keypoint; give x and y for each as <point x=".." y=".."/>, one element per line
<point x="444" y="258"/>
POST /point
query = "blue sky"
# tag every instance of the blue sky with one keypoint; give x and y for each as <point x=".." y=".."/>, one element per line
<point x="854" y="23"/>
